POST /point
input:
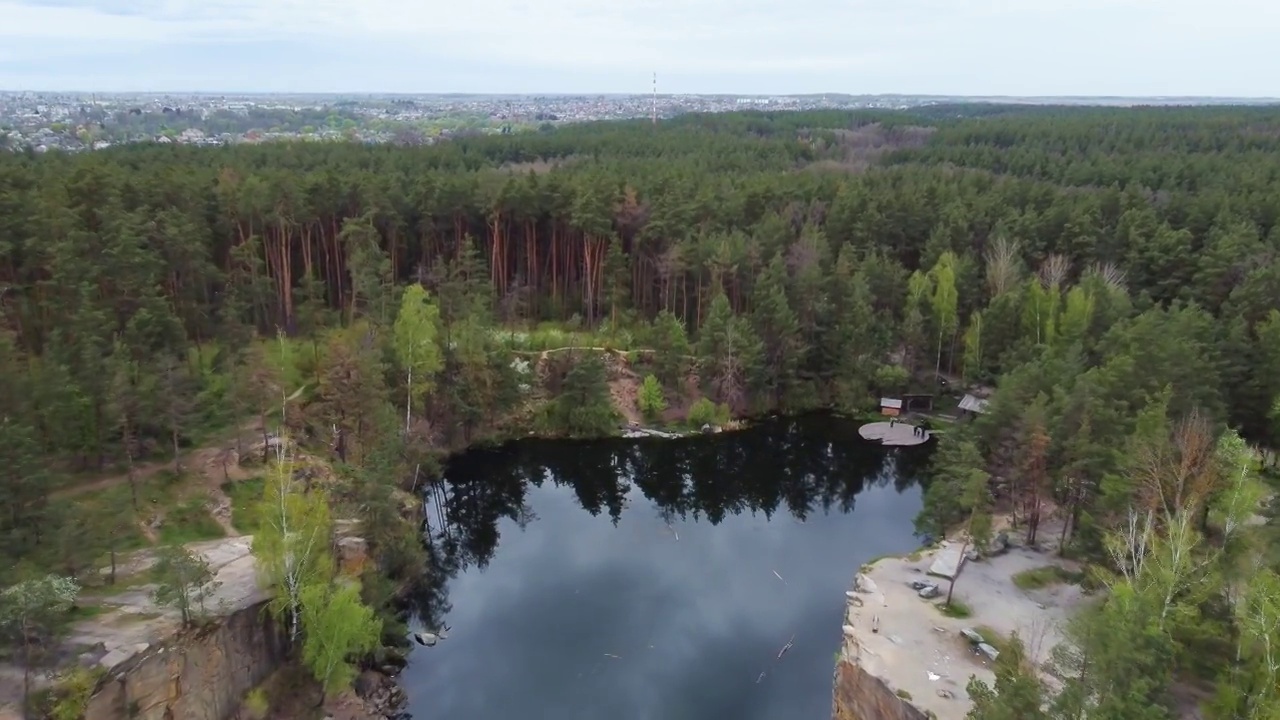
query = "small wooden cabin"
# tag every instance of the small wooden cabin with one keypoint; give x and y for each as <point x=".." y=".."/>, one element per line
<point x="891" y="407"/>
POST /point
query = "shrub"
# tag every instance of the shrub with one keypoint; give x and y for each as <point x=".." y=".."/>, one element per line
<point x="70" y="695"/>
<point x="1044" y="577"/>
<point x="705" y="412"/>
<point x="256" y="703"/>
<point x="651" y="399"/>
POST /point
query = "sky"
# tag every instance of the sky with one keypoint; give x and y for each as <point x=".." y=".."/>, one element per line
<point x="947" y="47"/>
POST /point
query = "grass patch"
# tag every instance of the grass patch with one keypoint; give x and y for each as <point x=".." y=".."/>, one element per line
<point x="99" y="586"/>
<point x="553" y="336"/>
<point x="955" y="609"/>
<point x="138" y="617"/>
<point x="866" y="566"/>
<point x="1046" y="576"/>
<point x="69" y="695"/>
<point x="902" y="694"/>
<point x="993" y="637"/>
<point x="256" y="703"/>
<point x="85" y="612"/>
<point x="189" y="521"/>
<point x="245" y="496"/>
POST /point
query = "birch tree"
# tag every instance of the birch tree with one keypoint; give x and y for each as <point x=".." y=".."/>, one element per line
<point x="292" y="542"/>
<point x="944" y="301"/>
<point x="336" y="625"/>
<point x="415" y="344"/>
<point x="1252" y="691"/>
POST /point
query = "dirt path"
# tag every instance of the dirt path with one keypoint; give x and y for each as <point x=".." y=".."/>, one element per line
<point x="199" y="460"/>
<point x="214" y="464"/>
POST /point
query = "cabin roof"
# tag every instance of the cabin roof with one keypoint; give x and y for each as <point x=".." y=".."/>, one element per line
<point x="895" y="403"/>
<point x="973" y="404"/>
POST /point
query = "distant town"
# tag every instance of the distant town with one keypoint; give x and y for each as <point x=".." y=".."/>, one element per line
<point x="74" y="122"/>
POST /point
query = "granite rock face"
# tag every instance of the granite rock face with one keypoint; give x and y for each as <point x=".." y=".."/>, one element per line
<point x="198" y="675"/>
<point x="859" y="695"/>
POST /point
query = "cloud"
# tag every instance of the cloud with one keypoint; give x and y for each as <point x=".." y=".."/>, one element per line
<point x="955" y="46"/>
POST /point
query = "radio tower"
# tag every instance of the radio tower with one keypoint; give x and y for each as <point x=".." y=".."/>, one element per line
<point x="655" y="98"/>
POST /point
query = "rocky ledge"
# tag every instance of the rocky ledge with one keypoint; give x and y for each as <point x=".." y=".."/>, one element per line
<point x="903" y="659"/>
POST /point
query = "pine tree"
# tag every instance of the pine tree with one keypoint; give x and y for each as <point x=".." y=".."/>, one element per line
<point x="778" y="330"/>
<point x="671" y="357"/>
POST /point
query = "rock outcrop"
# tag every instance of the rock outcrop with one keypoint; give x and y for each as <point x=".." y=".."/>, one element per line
<point x="903" y="658"/>
<point x="199" y="675"/>
<point x="859" y="695"/>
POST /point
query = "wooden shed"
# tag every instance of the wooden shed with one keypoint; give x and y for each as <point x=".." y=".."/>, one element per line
<point x="891" y="406"/>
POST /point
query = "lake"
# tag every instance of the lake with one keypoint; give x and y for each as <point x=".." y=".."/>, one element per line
<point x="655" y="579"/>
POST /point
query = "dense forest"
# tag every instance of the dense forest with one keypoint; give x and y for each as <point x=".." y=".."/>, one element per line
<point x="1114" y="274"/>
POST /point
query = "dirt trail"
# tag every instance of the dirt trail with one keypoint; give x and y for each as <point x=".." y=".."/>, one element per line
<point x="214" y="464"/>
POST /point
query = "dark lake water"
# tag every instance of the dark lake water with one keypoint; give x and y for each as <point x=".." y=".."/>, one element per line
<point x="655" y="579"/>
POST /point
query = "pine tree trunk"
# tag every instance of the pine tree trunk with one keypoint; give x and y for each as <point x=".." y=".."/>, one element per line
<point x="177" y="456"/>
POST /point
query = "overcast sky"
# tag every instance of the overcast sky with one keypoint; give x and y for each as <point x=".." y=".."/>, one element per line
<point x="963" y="47"/>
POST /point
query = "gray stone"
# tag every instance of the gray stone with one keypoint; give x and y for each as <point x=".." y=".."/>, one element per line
<point x="973" y="636"/>
<point x="864" y="584"/>
<point x="946" y="563"/>
<point x="929" y="592"/>
<point x="946" y="694"/>
<point x="989" y="651"/>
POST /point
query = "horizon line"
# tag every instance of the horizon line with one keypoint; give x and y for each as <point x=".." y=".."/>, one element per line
<point x="551" y="93"/>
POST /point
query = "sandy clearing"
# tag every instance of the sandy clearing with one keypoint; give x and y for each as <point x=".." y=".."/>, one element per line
<point x="919" y="651"/>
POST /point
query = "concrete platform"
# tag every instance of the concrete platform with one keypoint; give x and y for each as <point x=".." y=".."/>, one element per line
<point x="899" y="435"/>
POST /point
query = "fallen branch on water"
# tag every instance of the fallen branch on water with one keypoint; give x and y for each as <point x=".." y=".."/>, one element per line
<point x="786" y="647"/>
<point x="775" y="574"/>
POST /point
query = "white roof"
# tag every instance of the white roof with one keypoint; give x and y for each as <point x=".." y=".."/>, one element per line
<point x="891" y="403"/>
<point x="973" y="404"/>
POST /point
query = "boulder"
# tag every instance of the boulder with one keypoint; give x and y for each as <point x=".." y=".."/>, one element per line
<point x="353" y="553"/>
<point x="946" y="564"/>
<point x="864" y="584"/>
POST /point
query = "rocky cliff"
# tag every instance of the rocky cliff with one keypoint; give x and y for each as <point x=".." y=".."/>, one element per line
<point x="903" y="658"/>
<point x="859" y="695"/>
<point x="199" y="675"/>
